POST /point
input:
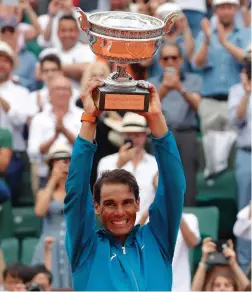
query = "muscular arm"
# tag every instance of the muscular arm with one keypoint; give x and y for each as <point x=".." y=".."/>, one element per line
<point x="166" y="209"/>
<point x="79" y="210"/>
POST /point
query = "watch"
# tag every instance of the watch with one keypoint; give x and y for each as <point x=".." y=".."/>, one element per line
<point x="88" y="118"/>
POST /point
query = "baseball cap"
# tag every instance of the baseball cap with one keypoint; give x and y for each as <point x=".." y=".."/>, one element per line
<point x="219" y="2"/>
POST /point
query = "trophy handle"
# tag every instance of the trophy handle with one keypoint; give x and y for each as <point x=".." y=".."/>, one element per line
<point x="83" y="20"/>
<point x="169" y="21"/>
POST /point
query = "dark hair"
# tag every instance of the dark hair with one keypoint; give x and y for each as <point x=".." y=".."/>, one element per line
<point x="41" y="269"/>
<point x="115" y="176"/>
<point x="18" y="270"/>
<point x="171" y="44"/>
<point x="68" y="17"/>
<point x="51" y="58"/>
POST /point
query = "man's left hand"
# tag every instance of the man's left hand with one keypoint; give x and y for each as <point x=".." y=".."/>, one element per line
<point x="155" y="106"/>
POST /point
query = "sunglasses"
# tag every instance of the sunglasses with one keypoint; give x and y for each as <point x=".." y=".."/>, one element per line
<point x="10" y="29"/>
<point x="145" y="1"/>
<point x="173" y="58"/>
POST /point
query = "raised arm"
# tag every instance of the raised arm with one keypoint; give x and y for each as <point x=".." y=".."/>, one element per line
<point x="166" y="210"/>
<point x="79" y="211"/>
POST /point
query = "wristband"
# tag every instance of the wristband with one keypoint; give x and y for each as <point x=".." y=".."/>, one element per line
<point x="88" y="118"/>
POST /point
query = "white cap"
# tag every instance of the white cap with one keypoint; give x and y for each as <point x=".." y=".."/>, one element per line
<point x="7" y="50"/>
<point x="219" y="2"/>
<point x="166" y="8"/>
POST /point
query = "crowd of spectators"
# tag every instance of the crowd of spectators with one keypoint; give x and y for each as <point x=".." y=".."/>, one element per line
<point x="202" y="72"/>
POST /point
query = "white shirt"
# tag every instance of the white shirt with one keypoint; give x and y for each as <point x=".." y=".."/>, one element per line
<point x="181" y="263"/>
<point x="80" y="53"/>
<point x="16" y="118"/>
<point x="45" y="99"/>
<point x="196" y="5"/>
<point x="242" y="227"/>
<point x="43" y="128"/>
<point x="144" y="174"/>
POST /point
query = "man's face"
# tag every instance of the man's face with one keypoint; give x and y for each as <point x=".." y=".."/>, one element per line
<point x="226" y="13"/>
<point x="119" y="4"/>
<point x="117" y="208"/>
<point x="42" y="280"/>
<point x="68" y="33"/>
<point x="12" y="283"/>
<point x="60" y="92"/>
<point x="138" y="139"/>
<point x="9" y="35"/>
<point x="170" y="57"/>
<point x="49" y="70"/>
<point x="5" y="67"/>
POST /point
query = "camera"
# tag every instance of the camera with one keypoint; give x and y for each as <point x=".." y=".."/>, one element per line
<point x="218" y="258"/>
<point x="129" y="140"/>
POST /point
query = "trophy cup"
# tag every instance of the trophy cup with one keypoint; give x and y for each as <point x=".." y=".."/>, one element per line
<point x="123" y="38"/>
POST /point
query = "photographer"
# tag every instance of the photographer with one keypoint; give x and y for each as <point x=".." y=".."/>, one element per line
<point x="239" y="105"/>
<point x="220" y="277"/>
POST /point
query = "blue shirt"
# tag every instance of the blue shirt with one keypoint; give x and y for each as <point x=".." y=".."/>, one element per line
<point x="178" y="113"/>
<point x="243" y="127"/>
<point x="221" y="70"/>
<point x="98" y="260"/>
<point x="26" y="69"/>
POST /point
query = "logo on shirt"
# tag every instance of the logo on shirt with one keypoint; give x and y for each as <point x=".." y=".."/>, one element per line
<point x="113" y="256"/>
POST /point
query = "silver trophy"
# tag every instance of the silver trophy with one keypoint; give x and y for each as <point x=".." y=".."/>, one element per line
<point x="124" y="38"/>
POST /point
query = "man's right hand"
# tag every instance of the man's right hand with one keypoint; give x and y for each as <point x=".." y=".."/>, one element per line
<point x="53" y="8"/>
<point x="89" y="98"/>
<point x="206" y="28"/>
<point x="246" y="83"/>
<point x="208" y="247"/>
<point x="125" y="155"/>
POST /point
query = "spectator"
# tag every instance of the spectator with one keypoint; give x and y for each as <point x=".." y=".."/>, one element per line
<point x="24" y="73"/>
<point x="26" y="32"/>
<point x="49" y="205"/>
<point x="239" y="104"/>
<point x="43" y="277"/>
<point x="49" y="67"/>
<point x="225" y="278"/>
<point x="5" y="158"/>
<point x="180" y="33"/>
<point x="73" y="54"/>
<point x="180" y="100"/>
<point x="58" y="123"/>
<point x="242" y="227"/>
<point x="14" y="116"/>
<point x="194" y="11"/>
<point x="49" y="22"/>
<point x="219" y="54"/>
<point x="16" y="276"/>
<point x="133" y="158"/>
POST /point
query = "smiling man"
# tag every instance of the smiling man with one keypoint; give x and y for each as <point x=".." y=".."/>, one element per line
<point x="122" y="256"/>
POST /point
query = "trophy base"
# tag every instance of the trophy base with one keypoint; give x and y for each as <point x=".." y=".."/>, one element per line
<point x="123" y="99"/>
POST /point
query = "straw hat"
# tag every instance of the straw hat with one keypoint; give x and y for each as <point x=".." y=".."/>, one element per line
<point x="6" y="50"/>
<point x="219" y="2"/>
<point x="131" y="123"/>
<point x="58" y="151"/>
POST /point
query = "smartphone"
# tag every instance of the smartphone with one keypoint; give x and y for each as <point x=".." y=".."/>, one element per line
<point x="10" y="2"/>
<point x="129" y="140"/>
